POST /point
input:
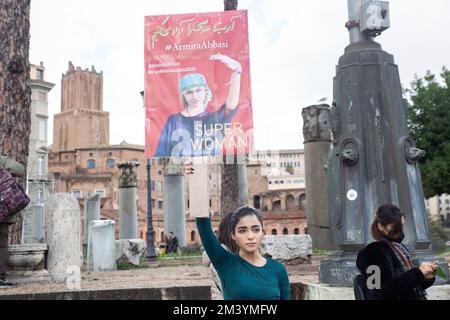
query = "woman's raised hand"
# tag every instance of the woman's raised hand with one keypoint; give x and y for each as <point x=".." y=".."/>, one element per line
<point x="229" y="62"/>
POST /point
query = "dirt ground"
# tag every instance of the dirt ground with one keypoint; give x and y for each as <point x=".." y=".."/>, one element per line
<point x="159" y="275"/>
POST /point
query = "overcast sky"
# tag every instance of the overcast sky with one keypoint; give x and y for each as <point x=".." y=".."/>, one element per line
<point x="294" y="48"/>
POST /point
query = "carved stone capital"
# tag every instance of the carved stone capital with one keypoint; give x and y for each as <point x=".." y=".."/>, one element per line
<point x="128" y="174"/>
<point x="316" y="123"/>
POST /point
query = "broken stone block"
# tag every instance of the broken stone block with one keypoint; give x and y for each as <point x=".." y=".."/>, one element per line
<point x="289" y="249"/>
<point x="130" y="250"/>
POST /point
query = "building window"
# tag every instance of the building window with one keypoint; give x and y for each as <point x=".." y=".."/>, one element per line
<point x="188" y="204"/>
<point x="91" y="154"/>
<point x="296" y="231"/>
<point x="160" y="205"/>
<point x="42" y="96"/>
<point x="159" y="186"/>
<point x="210" y="203"/>
<point x="109" y="154"/>
<point x="100" y="192"/>
<point x="159" y="172"/>
<point x="42" y="129"/>
<point x="39" y="74"/>
<point x="41" y="162"/>
<point x="285" y="231"/>
<point x="274" y="232"/>
<point x="110" y="163"/>
<point x="153" y="203"/>
<point x="192" y="235"/>
<point x="91" y="164"/>
<point x="256" y="202"/>
<point x="77" y="194"/>
<point x="97" y="136"/>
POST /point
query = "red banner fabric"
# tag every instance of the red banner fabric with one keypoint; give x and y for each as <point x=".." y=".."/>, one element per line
<point x="197" y="85"/>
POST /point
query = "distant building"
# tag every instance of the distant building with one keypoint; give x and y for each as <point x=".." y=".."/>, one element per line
<point x="37" y="166"/>
<point x="280" y="161"/>
<point x="438" y="208"/>
<point x="83" y="162"/>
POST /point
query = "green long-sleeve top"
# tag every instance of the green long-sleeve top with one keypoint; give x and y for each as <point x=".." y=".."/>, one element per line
<point x="240" y="279"/>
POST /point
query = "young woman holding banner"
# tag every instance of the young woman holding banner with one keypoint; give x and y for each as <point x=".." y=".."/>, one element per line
<point x="179" y="134"/>
<point x="245" y="275"/>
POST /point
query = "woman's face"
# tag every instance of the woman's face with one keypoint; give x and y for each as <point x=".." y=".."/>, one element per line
<point x="248" y="234"/>
<point x="195" y="97"/>
<point x="389" y="229"/>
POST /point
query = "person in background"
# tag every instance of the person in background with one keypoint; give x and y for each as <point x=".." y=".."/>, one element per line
<point x="172" y="244"/>
<point x="16" y="170"/>
<point x="400" y="280"/>
<point x="227" y="242"/>
<point x="245" y="275"/>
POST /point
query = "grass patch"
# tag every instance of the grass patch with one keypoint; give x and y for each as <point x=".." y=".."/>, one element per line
<point x="321" y="251"/>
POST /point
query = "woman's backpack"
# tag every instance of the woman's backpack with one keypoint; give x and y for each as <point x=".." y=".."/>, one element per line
<point x="13" y="198"/>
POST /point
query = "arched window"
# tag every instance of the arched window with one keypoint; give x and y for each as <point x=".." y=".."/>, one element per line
<point x="296" y="231"/>
<point x="276" y="206"/>
<point x="285" y="231"/>
<point x="91" y="164"/>
<point x="302" y="201"/>
<point x="192" y="235"/>
<point x="162" y="236"/>
<point x="290" y="202"/>
<point x="274" y="232"/>
<point x="110" y="163"/>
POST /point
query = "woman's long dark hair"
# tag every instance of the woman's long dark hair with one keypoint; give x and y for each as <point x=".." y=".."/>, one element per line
<point x="386" y="215"/>
<point x="225" y="231"/>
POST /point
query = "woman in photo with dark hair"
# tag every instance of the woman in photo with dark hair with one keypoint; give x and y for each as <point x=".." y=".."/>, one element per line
<point x="400" y="280"/>
<point x="245" y="275"/>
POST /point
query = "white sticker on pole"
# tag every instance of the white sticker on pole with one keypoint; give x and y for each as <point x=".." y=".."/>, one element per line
<point x="352" y="195"/>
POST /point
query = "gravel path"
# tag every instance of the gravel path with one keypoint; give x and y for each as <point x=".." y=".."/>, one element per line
<point x="158" y="277"/>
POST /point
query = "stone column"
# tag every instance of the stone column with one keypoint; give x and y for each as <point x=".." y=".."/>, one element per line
<point x="242" y="183"/>
<point x="317" y="140"/>
<point x="128" y="223"/>
<point x="91" y="213"/>
<point x="63" y="235"/>
<point x="174" y="201"/>
<point x="102" y="245"/>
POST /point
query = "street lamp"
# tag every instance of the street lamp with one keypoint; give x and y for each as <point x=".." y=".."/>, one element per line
<point x="151" y="254"/>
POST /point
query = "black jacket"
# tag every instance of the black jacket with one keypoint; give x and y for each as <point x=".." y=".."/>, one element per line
<point x="395" y="283"/>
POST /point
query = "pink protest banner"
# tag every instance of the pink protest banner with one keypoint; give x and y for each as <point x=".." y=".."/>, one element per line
<point x="197" y="85"/>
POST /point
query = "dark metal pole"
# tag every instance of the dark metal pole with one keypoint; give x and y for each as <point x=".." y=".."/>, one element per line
<point x="151" y="253"/>
<point x="150" y="232"/>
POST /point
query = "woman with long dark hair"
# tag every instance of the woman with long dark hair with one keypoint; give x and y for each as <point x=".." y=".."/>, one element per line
<point x="225" y="239"/>
<point x="400" y="279"/>
<point x="245" y="275"/>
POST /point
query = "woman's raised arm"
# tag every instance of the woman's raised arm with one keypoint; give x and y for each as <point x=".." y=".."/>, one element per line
<point x="235" y="83"/>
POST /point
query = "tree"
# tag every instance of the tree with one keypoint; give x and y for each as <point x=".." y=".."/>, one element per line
<point x="290" y="169"/>
<point x="429" y="119"/>
<point x="229" y="190"/>
<point x="15" y="91"/>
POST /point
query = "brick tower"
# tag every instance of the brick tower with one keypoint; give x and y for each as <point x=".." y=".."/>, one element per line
<point x="82" y="123"/>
